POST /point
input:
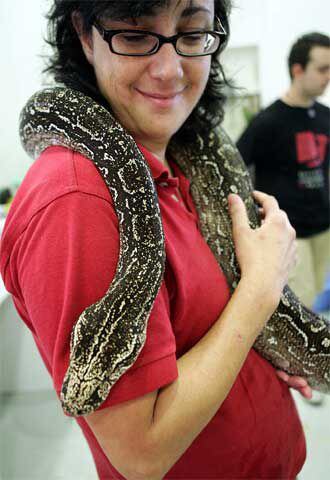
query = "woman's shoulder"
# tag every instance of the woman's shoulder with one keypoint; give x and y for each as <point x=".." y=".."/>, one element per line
<point x="62" y="170"/>
<point x="57" y="175"/>
<point x="59" y="181"/>
<point x="59" y="171"/>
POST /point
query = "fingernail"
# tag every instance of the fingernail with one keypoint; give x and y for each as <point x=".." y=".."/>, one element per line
<point x="231" y="199"/>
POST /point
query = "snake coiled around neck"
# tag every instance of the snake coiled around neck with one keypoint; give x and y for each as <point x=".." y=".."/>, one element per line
<point x="109" y="335"/>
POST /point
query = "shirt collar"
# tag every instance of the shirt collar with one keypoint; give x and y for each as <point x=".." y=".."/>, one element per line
<point x="159" y="172"/>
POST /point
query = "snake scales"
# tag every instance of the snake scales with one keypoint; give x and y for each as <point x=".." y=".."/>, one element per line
<point x="109" y="335"/>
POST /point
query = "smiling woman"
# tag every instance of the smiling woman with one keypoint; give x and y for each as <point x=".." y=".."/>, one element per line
<point x="71" y="66"/>
<point x="151" y="95"/>
<point x="149" y="344"/>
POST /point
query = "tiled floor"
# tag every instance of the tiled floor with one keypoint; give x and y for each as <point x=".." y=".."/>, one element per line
<point x="38" y="443"/>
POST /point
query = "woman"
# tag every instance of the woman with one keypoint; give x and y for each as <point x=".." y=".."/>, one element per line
<point x="198" y="402"/>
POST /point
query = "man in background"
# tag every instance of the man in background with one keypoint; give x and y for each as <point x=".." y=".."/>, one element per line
<point x="288" y="144"/>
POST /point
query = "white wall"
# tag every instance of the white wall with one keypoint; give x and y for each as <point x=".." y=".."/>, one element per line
<point x="22" y="28"/>
<point x="271" y="25"/>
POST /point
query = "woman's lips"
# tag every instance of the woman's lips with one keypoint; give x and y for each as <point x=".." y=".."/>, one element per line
<point x="164" y="100"/>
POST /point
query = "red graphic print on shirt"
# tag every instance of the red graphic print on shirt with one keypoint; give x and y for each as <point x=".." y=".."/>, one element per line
<point x="311" y="148"/>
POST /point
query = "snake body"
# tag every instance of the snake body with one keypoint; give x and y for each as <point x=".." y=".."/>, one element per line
<point x="109" y="335"/>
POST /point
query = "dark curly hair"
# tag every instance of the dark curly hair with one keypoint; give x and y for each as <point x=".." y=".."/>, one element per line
<point x="68" y="64"/>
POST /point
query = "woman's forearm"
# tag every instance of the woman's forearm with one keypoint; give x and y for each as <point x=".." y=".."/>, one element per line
<point x="206" y="375"/>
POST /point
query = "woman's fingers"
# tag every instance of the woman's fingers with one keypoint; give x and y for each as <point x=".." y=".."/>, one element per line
<point x="269" y="209"/>
<point x="298" y="383"/>
<point x="265" y="254"/>
<point x="238" y="213"/>
<point x="306" y="392"/>
<point x="267" y="202"/>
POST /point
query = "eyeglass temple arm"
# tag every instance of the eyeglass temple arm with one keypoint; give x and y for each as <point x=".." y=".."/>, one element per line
<point x="218" y="23"/>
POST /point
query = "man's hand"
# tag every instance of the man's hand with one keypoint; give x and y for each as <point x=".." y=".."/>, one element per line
<point x="298" y="383"/>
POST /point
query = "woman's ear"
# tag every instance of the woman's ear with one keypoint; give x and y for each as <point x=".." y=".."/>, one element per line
<point x="86" y="38"/>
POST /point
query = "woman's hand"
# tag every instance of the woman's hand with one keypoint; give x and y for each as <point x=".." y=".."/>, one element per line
<point x="298" y="383"/>
<point x="265" y="254"/>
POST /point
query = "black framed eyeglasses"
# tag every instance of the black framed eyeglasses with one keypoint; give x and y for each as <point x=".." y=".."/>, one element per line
<point x="140" y="43"/>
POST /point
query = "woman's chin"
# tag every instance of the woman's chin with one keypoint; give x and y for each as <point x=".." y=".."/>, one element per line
<point x="159" y="131"/>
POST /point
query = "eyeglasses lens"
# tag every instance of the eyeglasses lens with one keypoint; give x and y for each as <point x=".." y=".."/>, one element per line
<point x="143" y="44"/>
<point x="134" y="43"/>
<point x="197" y="44"/>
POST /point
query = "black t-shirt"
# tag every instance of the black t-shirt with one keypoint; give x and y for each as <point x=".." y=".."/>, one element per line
<point x="289" y="147"/>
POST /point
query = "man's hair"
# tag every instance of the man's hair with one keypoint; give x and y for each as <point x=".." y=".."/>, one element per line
<point x="68" y="64"/>
<point x="300" y="51"/>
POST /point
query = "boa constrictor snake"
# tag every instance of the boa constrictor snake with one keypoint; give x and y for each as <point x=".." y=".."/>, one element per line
<point x="109" y="335"/>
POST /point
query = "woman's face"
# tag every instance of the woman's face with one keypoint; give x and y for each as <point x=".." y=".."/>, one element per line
<point x="152" y="96"/>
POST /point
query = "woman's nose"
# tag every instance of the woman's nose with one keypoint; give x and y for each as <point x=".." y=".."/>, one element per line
<point x="166" y="64"/>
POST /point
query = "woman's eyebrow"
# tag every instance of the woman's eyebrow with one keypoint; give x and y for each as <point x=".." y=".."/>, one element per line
<point x="189" y="11"/>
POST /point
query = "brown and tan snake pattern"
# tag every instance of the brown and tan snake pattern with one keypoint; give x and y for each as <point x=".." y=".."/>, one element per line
<point x="109" y="335"/>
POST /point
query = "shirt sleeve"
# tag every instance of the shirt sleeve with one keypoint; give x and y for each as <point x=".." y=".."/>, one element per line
<point x="66" y="260"/>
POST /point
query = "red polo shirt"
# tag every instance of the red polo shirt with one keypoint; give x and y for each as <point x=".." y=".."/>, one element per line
<point x="59" y="253"/>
